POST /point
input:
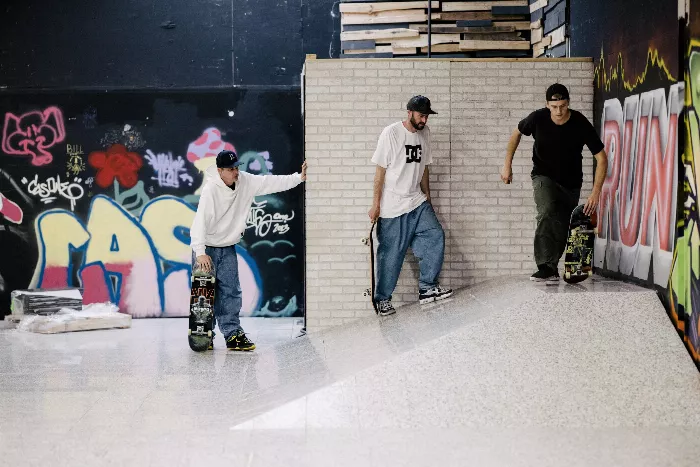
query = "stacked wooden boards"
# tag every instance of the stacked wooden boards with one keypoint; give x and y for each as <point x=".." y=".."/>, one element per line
<point x="549" y="27"/>
<point x="473" y="28"/>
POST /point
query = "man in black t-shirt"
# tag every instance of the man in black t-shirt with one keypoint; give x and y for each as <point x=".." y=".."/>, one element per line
<point x="560" y="134"/>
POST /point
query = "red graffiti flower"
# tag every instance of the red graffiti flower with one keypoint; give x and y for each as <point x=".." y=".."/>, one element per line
<point x="117" y="163"/>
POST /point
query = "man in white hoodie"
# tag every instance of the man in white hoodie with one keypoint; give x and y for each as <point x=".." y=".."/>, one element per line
<point x="219" y="225"/>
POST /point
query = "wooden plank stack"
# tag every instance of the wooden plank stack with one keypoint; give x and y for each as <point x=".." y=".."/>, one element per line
<point x="549" y="19"/>
<point x="473" y="28"/>
<point x="45" y="302"/>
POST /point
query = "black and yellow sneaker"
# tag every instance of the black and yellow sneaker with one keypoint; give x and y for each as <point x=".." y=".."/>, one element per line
<point x="211" y="345"/>
<point x="240" y="343"/>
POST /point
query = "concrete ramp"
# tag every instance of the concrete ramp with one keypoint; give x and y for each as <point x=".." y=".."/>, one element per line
<point x="505" y="373"/>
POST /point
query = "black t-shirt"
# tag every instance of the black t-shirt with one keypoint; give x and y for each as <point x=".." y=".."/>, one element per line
<point x="558" y="148"/>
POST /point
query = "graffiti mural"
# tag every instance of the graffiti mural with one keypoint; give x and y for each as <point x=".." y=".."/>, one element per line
<point x="684" y="291"/>
<point x="10" y="210"/>
<point x="639" y="123"/>
<point x="33" y="134"/>
<point x="169" y="171"/>
<point x="53" y="188"/>
<point x="110" y="210"/>
<point x="76" y="164"/>
<point x="142" y="264"/>
<point x="638" y="200"/>
<point x="647" y="116"/>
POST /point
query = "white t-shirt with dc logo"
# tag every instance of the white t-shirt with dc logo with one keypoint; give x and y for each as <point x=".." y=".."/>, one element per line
<point x="404" y="155"/>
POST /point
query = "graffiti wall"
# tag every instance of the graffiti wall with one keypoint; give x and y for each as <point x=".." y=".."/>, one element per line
<point x="645" y="88"/>
<point x="637" y="213"/>
<point x="684" y="293"/>
<point x="639" y="102"/>
<point x="98" y="190"/>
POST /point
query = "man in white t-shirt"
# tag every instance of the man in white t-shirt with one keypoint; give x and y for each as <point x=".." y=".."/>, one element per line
<point x="402" y="208"/>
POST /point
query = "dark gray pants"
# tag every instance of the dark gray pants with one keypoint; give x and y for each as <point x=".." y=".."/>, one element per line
<point x="554" y="206"/>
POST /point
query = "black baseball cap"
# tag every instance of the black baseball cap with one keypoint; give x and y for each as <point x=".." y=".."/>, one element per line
<point x="227" y="159"/>
<point x="420" y="104"/>
<point x="558" y="90"/>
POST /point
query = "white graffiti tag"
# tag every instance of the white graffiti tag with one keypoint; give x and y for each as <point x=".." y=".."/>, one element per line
<point x="262" y="222"/>
<point x="52" y="188"/>
<point x="169" y="171"/>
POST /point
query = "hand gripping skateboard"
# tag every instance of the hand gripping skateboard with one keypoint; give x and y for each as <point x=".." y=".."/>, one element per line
<point x="578" y="258"/>
<point x="369" y="240"/>
<point x="200" y="334"/>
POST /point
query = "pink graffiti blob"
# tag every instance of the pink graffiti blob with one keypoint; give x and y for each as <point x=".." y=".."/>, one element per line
<point x="33" y="133"/>
<point x="209" y="144"/>
<point x="10" y="210"/>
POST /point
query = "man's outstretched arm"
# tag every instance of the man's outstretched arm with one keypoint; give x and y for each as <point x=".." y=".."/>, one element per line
<point x="276" y="183"/>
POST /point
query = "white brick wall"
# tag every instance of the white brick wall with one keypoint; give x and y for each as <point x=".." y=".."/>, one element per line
<point x="489" y="226"/>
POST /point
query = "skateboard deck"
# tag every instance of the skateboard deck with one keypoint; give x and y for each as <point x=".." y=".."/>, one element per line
<point x="370" y="240"/>
<point x="578" y="258"/>
<point x="200" y="334"/>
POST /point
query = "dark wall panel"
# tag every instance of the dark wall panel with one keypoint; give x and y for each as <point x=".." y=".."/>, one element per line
<point x="110" y="43"/>
<point x="267" y="42"/>
<point x="163" y="44"/>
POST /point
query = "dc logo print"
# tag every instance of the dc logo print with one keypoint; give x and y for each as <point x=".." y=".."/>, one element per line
<point x="413" y="153"/>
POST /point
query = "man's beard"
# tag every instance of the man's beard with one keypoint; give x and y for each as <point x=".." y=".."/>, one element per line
<point x="417" y="126"/>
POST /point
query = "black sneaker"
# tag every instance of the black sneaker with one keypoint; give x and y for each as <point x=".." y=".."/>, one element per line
<point x="385" y="308"/>
<point x="433" y="294"/>
<point x="240" y="343"/>
<point x="545" y="274"/>
<point x="211" y="345"/>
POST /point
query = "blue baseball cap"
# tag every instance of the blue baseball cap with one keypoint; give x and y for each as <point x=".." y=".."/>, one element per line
<point x="227" y="159"/>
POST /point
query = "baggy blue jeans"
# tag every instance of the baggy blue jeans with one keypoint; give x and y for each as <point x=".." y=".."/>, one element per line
<point x="419" y="229"/>
<point x="228" y="299"/>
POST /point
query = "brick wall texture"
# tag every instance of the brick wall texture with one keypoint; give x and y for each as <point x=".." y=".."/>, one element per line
<point x="489" y="226"/>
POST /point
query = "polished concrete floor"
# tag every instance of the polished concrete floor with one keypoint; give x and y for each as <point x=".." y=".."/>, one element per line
<point x="506" y="373"/>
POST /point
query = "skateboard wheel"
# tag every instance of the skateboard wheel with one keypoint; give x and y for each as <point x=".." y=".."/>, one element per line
<point x="567" y="275"/>
<point x="590" y="273"/>
<point x="208" y="333"/>
<point x="189" y="332"/>
<point x="365" y="241"/>
<point x="366" y="293"/>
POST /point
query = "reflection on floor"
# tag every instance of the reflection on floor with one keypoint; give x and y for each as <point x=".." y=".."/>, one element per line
<point x="504" y="373"/>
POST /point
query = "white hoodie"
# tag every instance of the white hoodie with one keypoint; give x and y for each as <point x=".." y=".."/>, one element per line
<point x="222" y="212"/>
